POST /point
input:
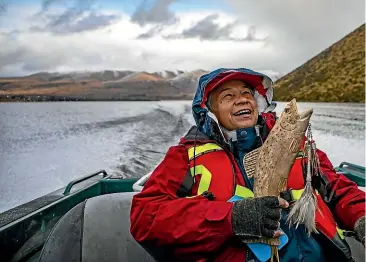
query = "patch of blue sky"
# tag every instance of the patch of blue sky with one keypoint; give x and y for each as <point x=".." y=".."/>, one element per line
<point x="125" y="6"/>
<point x="129" y="6"/>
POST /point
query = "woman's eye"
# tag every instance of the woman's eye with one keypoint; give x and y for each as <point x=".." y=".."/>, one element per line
<point x="246" y="93"/>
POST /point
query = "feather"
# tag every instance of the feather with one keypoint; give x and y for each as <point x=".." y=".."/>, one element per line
<point x="303" y="211"/>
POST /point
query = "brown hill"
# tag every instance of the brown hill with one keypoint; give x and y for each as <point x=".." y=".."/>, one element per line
<point x="141" y="76"/>
<point x="104" y="85"/>
<point x="335" y="75"/>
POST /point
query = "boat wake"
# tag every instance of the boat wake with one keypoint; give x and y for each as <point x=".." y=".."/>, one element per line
<point x="147" y="139"/>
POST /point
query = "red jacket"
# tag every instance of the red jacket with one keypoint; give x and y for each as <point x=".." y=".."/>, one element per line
<point x="190" y="228"/>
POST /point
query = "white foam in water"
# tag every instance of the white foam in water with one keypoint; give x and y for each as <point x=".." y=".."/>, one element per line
<point x="341" y="149"/>
<point x="43" y="146"/>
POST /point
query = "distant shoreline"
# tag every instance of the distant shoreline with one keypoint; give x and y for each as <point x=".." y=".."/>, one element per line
<point x="20" y="98"/>
<point x="27" y="99"/>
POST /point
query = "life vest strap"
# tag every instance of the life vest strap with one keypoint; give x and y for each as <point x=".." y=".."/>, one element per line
<point x="194" y="152"/>
<point x="243" y="192"/>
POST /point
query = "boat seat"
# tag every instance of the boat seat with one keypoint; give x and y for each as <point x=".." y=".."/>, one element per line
<point x="97" y="229"/>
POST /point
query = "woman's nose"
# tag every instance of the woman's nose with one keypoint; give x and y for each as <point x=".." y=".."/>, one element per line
<point x="241" y="99"/>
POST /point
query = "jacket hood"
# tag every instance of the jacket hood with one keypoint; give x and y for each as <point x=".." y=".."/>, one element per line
<point x="205" y="120"/>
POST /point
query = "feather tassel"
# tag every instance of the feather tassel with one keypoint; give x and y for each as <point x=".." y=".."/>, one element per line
<point x="303" y="211"/>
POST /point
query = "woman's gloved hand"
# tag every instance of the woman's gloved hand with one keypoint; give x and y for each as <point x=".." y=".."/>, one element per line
<point x="257" y="217"/>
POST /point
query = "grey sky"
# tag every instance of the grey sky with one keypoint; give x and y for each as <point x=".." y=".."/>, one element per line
<point x="301" y="29"/>
<point x="271" y="36"/>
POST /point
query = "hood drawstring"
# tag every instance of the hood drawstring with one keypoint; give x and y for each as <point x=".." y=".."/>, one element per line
<point x="257" y="132"/>
<point x="225" y="138"/>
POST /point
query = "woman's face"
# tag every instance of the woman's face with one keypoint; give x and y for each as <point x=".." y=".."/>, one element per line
<point x="234" y="105"/>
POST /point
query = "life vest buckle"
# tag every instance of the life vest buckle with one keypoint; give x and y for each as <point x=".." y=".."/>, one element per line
<point x="347" y="233"/>
<point x="209" y="195"/>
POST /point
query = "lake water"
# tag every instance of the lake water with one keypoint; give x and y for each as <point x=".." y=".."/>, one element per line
<point x="46" y="145"/>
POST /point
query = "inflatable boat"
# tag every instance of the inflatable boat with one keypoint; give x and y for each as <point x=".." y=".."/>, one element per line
<point x="88" y="220"/>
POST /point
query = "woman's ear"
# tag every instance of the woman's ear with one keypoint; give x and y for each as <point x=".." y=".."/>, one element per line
<point x="212" y="102"/>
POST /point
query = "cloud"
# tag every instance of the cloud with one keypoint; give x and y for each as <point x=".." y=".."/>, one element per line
<point x="299" y="30"/>
<point x="114" y="48"/>
<point x="27" y="57"/>
<point x="261" y="35"/>
<point x="208" y="29"/>
<point x="80" y="16"/>
<point x="3" y="8"/>
<point x="117" y="48"/>
<point x="156" y="13"/>
<point x="156" y="30"/>
<point x="13" y="56"/>
<point x="81" y="4"/>
<point x="46" y="4"/>
<point x="78" y="21"/>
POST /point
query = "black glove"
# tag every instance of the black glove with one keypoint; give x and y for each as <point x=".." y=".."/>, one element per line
<point x="360" y="230"/>
<point x="257" y="217"/>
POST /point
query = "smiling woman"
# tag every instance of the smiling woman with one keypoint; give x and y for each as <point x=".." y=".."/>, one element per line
<point x="222" y="155"/>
